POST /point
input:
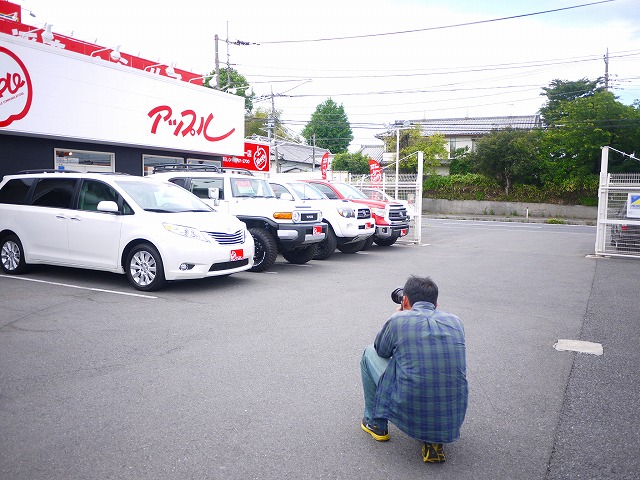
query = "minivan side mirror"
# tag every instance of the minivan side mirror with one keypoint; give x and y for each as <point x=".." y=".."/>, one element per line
<point x="108" y="206"/>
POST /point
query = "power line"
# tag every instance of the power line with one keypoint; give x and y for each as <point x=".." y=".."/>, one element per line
<point x="435" y="28"/>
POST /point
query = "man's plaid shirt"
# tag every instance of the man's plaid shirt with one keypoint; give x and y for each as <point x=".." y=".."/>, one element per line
<point x="423" y="391"/>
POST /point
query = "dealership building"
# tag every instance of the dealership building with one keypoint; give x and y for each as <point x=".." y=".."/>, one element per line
<point x="70" y="104"/>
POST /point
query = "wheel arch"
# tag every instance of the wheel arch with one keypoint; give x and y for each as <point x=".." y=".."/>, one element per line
<point x="131" y="245"/>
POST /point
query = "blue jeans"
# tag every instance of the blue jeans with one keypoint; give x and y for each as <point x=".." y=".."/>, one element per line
<point x="372" y="366"/>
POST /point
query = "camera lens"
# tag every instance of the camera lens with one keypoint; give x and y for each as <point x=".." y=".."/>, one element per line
<point x="397" y="295"/>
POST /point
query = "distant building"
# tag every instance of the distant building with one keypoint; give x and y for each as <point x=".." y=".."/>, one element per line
<point x="463" y="132"/>
<point x="294" y="157"/>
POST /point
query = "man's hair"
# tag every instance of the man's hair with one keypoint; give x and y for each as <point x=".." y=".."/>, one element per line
<point x="421" y="289"/>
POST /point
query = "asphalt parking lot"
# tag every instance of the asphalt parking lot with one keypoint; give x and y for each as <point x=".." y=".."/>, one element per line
<point x="257" y="375"/>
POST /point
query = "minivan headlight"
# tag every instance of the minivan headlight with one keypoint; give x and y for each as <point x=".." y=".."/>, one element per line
<point x="188" y="232"/>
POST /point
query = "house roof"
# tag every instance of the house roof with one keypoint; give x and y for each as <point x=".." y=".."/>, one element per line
<point x="477" y="125"/>
<point x="296" y="152"/>
<point x="372" y="151"/>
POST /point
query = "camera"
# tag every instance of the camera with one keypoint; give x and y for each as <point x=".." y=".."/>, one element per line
<point x="397" y="295"/>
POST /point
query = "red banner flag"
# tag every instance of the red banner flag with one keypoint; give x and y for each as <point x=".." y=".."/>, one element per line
<point x="375" y="171"/>
<point x="324" y="165"/>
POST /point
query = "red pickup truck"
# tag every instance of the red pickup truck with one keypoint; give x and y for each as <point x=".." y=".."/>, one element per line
<point x="392" y="221"/>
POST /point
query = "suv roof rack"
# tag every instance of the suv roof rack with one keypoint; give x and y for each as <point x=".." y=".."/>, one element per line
<point x="45" y="170"/>
<point x="170" y="167"/>
<point x="240" y="171"/>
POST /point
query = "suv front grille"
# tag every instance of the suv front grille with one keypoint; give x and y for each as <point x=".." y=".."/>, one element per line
<point x="309" y="217"/>
<point x="397" y="213"/>
<point x="364" y="213"/>
<point x="227" y="238"/>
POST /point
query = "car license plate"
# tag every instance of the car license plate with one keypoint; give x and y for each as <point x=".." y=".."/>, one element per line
<point x="237" y="254"/>
<point x="403" y="232"/>
<point x="368" y="225"/>
<point x="317" y="230"/>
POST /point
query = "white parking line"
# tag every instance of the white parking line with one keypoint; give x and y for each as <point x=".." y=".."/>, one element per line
<point x="78" y="286"/>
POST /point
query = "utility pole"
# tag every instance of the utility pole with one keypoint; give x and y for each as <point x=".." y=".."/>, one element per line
<point x="217" y="60"/>
<point x="272" y="126"/>
<point x="313" y="164"/>
<point x="606" y="71"/>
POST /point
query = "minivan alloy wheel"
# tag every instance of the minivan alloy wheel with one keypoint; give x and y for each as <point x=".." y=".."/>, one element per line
<point x="12" y="255"/>
<point x="144" y="268"/>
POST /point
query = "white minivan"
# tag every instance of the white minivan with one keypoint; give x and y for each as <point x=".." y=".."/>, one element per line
<point x="152" y="231"/>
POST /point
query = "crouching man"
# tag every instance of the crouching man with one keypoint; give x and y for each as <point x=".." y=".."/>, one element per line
<point x="414" y="375"/>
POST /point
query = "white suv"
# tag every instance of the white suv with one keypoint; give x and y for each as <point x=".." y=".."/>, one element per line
<point x="278" y="226"/>
<point x="150" y="230"/>
<point x="349" y="224"/>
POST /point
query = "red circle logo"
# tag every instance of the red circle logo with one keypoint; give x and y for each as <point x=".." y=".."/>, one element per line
<point x="260" y="159"/>
<point x="16" y="91"/>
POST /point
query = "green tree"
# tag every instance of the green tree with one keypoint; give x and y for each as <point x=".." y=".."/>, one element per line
<point x="412" y="141"/>
<point x="509" y="156"/>
<point x="460" y="162"/>
<point x="230" y="80"/>
<point x="586" y="125"/>
<point x="355" y="163"/>
<point x="257" y="123"/>
<point x="560" y="91"/>
<point x="433" y="149"/>
<point x="330" y="125"/>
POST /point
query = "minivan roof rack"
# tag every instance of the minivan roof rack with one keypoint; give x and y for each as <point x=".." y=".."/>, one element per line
<point x="170" y="167"/>
<point x="45" y="170"/>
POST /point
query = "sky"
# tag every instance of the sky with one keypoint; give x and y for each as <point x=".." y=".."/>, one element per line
<point x="385" y="62"/>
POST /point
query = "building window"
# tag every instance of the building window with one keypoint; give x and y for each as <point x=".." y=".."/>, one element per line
<point x="199" y="161"/>
<point x="84" y="161"/>
<point x="150" y="161"/>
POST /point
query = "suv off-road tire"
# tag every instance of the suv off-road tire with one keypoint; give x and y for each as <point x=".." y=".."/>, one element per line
<point x="12" y="255"/>
<point x="301" y="255"/>
<point x="352" y="247"/>
<point x="385" y="242"/>
<point x="144" y="268"/>
<point x="327" y="246"/>
<point x="266" y="250"/>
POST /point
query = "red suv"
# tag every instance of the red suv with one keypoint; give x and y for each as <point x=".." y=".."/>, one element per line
<point x="391" y="218"/>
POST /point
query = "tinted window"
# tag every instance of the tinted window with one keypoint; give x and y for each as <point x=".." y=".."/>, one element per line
<point x="200" y="187"/>
<point x="180" y="181"/>
<point x="93" y="192"/>
<point x="326" y="190"/>
<point x="278" y="189"/>
<point x="54" y="192"/>
<point x="15" y="191"/>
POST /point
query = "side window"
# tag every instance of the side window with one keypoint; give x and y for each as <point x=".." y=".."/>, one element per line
<point x="54" y="192"/>
<point x="181" y="182"/>
<point x="15" y="191"/>
<point x="326" y="190"/>
<point x="200" y="186"/>
<point x="93" y="192"/>
<point x="279" y="189"/>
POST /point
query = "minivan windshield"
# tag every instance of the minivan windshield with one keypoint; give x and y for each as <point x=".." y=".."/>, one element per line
<point x="163" y="197"/>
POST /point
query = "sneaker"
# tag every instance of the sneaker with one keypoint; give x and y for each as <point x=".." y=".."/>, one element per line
<point x="377" y="433"/>
<point x="433" y="453"/>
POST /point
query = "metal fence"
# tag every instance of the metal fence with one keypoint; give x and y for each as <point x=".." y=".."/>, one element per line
<point x="618" y="227"/>
<point x="405" y="188"/>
